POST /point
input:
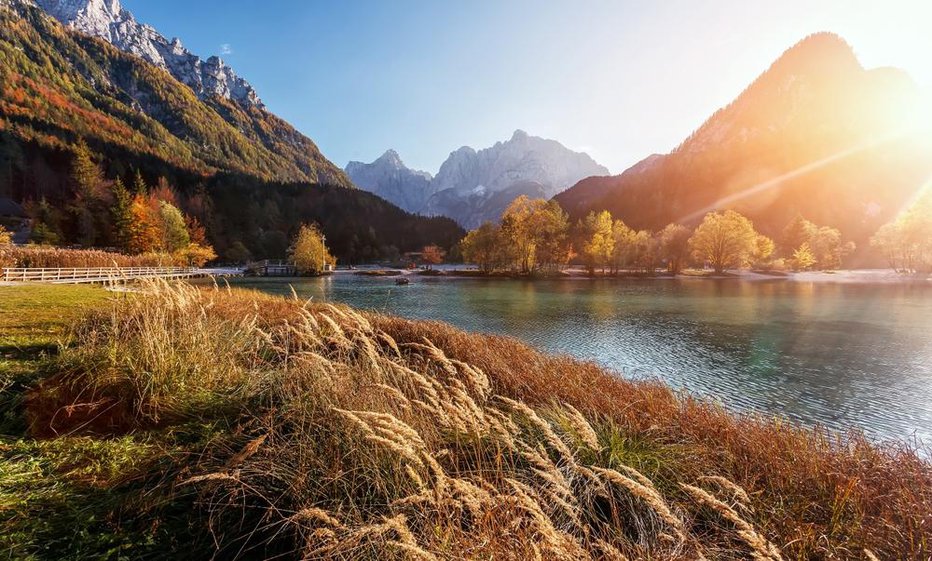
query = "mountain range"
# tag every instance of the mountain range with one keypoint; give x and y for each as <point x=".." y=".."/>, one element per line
<point x="85" y="72"/>
<point x="122" y="86"/>
<point x="816" y="134"/>
<point x="389" y="178"/>
<point x="474" y="186"/>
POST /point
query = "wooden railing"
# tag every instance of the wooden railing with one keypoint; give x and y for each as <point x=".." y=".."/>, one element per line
<point x="88" y="275"/>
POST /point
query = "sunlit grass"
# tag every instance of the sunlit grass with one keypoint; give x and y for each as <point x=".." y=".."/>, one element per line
<point x="58" y="497"/>
<point x="37" y="314"/>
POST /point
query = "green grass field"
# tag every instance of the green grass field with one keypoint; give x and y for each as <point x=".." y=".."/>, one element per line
<point x="58" y="497"/>
<point x="33" y="319"/>
<point x="37" y="314"/>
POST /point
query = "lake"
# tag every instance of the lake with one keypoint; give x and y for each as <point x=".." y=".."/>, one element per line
<point x="840" y="355"/>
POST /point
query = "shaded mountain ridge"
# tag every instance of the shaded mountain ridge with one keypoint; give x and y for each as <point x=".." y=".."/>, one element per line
<point x="389" y="178"/>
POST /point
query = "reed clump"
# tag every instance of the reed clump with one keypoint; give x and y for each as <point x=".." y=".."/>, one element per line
<point x="361" y="436"/>
<point x="47" y="257"/>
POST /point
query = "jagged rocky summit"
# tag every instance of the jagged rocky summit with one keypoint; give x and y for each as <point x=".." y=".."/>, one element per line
<point x="108" y="20"/>
<point x="389" y="178"/>
<point x="474" y="186"/>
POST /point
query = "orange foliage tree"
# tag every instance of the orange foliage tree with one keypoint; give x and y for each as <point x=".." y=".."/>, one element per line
<point x="145" y="233"/>
<point x="432" y="255"/>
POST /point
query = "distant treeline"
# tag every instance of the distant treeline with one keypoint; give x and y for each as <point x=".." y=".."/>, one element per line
<point x="537" y="236"/>
<point x="242" y="217"/>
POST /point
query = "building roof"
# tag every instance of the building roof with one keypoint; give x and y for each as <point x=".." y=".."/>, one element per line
<point x="9" y="207"/>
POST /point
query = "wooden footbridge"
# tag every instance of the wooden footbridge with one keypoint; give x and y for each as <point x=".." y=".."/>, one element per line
<point x="270" y="268"/>
<point x="106" y="274"/>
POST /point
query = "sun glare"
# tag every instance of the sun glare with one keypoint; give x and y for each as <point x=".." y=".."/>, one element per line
<point x="777" y="182"/>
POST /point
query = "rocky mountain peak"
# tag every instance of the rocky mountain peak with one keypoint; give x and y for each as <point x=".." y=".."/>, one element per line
<point x="93" y="17"/>
<point x="108" y="20"/>
<point x="808" y="79"/>
<point x="819" y="49"/>
<point x="389" y="178"/>
<point x="815" y="134"/>
<point x="474" y="186"/>
<point x="391" y="157"/>
<point x="522" y="158"/>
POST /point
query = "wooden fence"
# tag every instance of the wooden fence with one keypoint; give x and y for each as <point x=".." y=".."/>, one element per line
<point x="92" y="275"/>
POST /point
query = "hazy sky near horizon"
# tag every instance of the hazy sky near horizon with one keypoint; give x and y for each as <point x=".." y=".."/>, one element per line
<point x="617" y="79"/>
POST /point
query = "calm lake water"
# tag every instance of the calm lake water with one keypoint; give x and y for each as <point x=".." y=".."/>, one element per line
<point x="841" y="355"/>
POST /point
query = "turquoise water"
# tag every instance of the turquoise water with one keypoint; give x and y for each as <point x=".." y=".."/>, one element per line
<point x="840" y="355"/>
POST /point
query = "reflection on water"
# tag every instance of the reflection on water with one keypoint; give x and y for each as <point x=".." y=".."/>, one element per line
<point x="841" y="355"/>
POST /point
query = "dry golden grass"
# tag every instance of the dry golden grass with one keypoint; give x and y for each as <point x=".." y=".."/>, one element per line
<point x="360" y="436"/>
<point x="44" y="257"/>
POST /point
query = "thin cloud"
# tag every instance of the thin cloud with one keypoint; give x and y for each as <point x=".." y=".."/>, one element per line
<point x="226" y="49"/>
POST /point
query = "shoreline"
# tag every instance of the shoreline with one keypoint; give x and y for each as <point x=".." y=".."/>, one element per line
<point x="851" y="276"/>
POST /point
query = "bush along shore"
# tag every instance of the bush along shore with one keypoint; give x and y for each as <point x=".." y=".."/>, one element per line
<point x="216" y="423"/>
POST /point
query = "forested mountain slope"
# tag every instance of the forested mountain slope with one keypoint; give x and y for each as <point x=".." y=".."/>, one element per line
<point x="816" y="135"/>
<point x="57" y="84"/>
<point x="244" y="174"/>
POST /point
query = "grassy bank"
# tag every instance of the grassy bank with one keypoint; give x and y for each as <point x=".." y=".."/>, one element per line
<point x="239" y="425"/>
<point x="57" y="500"/>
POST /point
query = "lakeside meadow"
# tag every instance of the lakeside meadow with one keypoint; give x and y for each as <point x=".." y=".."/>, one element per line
<point x="529" y="280"/>
<point x="228" y="423"/>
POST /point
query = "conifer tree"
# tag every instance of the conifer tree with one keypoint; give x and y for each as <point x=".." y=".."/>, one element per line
<point x="121" y="212"/>
<point x="139" y="184"/>
<point x="87" y="178"/>
<point x="85" y="173"/>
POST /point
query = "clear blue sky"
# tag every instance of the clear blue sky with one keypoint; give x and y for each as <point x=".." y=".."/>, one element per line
<point x="618" y="79"/>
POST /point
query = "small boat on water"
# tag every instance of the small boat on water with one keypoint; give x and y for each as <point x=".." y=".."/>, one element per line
<point x="402" y="281"/>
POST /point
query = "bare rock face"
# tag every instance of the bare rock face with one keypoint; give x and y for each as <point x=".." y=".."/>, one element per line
<point x="477" y="186"/>
<point x="521" y="159"/>
<point x="389" y="178"/>
<point x="473" y="187"/>
<point x="108" y="20"/>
